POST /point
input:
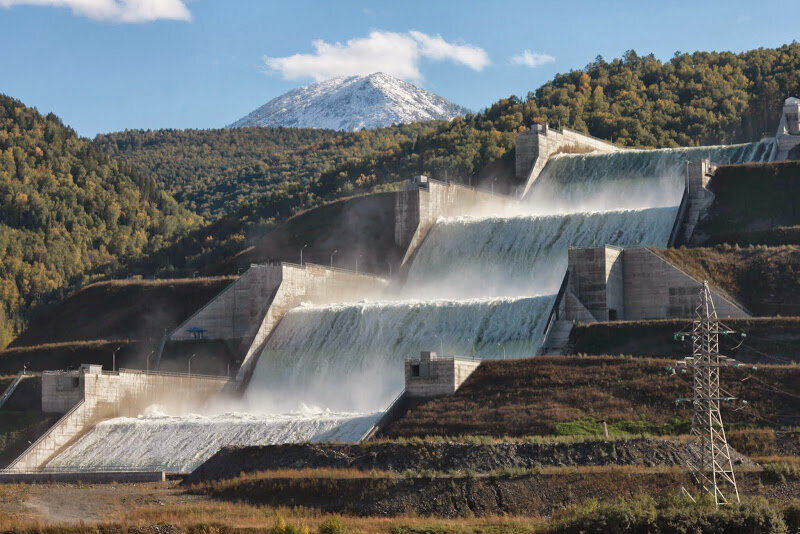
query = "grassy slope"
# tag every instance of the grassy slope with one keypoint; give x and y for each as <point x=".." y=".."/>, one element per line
<point x="358" y="226"/>
<point x="756" y="203"/>
<point x="763" y="279"/>
<point x="565" y="395"/>
<point x="121" y="309"/>
<point x="768" y="340"/>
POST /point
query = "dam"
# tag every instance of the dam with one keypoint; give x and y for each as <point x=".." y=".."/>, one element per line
<point x="476" y="286"/>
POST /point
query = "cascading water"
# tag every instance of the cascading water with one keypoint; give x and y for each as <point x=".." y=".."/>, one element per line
<point x="351" y="356"/>
<point x="468" y="256"/>
<point x="181" y="443"/>
<point x="630" y="179"/>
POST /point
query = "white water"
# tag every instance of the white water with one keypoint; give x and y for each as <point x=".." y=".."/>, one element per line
<point x="181" y="443"/>
<point x="351" y="356"/>
<point x="522" y="255"/>
<point x="631" y="179"/>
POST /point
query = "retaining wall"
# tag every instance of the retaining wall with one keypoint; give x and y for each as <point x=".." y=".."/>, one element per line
<point x="535" y="146"/>
<point x="306" y="283"/>
<point x="87" y="398"/>
<point x="422" y="202"/>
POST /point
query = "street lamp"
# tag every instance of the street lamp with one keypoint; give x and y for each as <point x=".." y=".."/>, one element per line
<point x="332" y="254"/>
<point x="504" y="350"/>
<point x="301" y="253"/>
<point x="148" y="360"/>
<point x="114" y="359"/>
<point x="190" y="363"/>
<point x="357" y="262"/>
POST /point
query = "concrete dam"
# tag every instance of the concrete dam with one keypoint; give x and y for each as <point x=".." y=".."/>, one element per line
<point x="476" y="285"/>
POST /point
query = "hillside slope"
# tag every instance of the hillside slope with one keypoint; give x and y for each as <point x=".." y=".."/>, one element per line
<point x="121" y="310"/>
<point x="67" y="210"/>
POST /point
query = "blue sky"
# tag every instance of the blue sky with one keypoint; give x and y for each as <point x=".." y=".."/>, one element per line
<point x="107" y="65"/>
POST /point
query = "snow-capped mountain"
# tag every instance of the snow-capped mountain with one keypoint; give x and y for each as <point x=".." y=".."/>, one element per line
<point x="352" y="103"/>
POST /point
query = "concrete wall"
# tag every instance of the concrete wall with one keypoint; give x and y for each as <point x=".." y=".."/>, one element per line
<point x="535" y="146"/>
<point x="306" y="283"/>
<point x="788" y="134"/>
<point x="235" y="312"/>
<point x="432" y="375"/>
<point x="656" y="289"/>
<point x="635" y="282"/>
<point x="596" y="280"/>
<point x="423" y="201"/>
<point x="87" y="398"/>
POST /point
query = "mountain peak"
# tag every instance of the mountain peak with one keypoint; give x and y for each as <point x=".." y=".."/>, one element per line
<point x="351" y="103"/>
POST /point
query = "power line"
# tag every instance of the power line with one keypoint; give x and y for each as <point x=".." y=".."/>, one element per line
<point x="707" y="465"/>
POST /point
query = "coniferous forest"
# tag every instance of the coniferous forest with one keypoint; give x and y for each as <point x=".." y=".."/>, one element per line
<point x="163" y="202"/>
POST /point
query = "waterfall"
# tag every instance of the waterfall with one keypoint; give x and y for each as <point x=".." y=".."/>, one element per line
<point x="351" y="356"/>
<point x="467" y="256"/>
<point x="630" y="179"/>
<point x="181" y="443"/>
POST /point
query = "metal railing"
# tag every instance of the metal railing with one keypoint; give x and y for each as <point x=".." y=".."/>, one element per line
<point x="11" y="388"/>
<point x="674" y="235"/>
<point x="554" y="310"/>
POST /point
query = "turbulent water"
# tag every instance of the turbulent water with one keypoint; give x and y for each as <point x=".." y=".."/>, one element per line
<point x="523" y="255"/>
<point x="630" y="179"/>
<point x="179" y="444"/>
<point x="351" y="356"/>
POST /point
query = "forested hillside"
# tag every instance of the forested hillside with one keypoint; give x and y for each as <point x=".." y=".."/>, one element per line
<point x="213" y="172"/>
<point x="66" y="210"/>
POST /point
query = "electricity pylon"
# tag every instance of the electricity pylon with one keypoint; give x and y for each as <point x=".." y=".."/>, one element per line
<point x="707" y="467"/>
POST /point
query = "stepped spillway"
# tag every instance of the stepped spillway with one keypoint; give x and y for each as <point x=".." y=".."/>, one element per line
<point x="630" y="179"/>
<point x="351" y="356"/>
<point x="468" y="256"/>
<point x="181" y="443"/>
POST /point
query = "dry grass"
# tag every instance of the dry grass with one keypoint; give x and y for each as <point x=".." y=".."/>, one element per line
<point x="763" y="279"/>
<point x="549" y="395"/>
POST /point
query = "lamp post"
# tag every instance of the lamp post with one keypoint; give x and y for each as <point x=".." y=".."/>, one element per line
<point x="301" y="253"/>
<point x="504" y="350"/>
<point x="114" y="359"/>
<point x="390" y="268"/>
<point x="190" y="363"/>
<point x="332" y="254"/>
<point x="147" y="368"/>
<point x="357" y="262"/>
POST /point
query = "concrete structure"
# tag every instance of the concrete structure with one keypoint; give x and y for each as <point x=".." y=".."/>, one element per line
<point x="535" y="145"/>
<point x="432" y="375"/>
<point x="788" y="135"/>
<point x="249" y="309"/>
<point x="607" y="283"/>
<point x="423" y="200"/>
<point x="697" y="198"/>
<point x="90" y="395"/>
<point x="86" y="477"/>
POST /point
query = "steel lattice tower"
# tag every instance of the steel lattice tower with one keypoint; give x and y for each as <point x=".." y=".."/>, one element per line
<point x="707" y="467"/>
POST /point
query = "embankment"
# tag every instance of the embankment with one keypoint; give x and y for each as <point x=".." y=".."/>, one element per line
<point x="399" y="456"/>
<point x="467" y="496"/>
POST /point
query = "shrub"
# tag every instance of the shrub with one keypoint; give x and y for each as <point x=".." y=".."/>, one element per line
<point x="332" y="525"/>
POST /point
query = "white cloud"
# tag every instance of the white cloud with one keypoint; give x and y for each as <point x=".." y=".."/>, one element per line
<point x="532" y="59"/>
<point x="397" y="54"/>
<point x="116" y="10"/>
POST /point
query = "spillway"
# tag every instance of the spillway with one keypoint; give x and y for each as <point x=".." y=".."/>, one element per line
<point x="630" y="179"/>
<point x="351" y="356"/>
<point x="522" y="255"/>
<point x="179" y="444"/>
